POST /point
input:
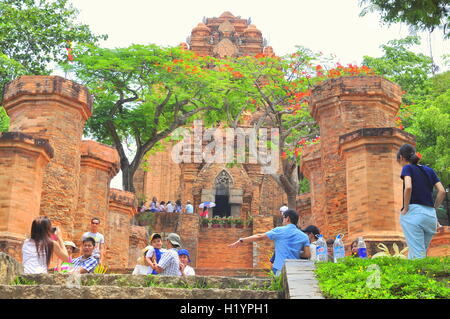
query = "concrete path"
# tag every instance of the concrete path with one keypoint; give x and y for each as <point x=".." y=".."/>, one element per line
<point x="300" y="281"/>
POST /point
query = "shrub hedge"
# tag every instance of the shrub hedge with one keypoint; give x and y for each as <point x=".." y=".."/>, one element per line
<point x="385" y="278"/>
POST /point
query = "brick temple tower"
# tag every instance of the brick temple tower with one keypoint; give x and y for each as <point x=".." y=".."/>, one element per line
<point x="240" y="190"/>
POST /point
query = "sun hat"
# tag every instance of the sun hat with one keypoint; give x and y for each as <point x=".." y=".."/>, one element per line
<point x="72" y="244"/>
<point x="184" y="252"/>
<point x="154" y="236"/>
<point x="174" y="239"/>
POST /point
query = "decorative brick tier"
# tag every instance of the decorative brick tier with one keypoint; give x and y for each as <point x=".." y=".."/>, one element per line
<point x="56" y="109"/>
<point x="22" y="163"/>
<point x="99" y="164"/>
<point x="374" y="188"/>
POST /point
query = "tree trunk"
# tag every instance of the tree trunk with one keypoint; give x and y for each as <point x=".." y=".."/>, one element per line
<point x="127" y="179"/>
<point x="292" y="201"/>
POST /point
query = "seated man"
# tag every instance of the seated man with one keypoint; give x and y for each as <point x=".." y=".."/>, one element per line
<point x="86" y="263"/>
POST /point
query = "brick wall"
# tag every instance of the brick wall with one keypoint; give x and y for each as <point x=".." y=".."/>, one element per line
<point x="22" y="163"/>
<point x="304" y="210"/>
<point x="213" y="251"/>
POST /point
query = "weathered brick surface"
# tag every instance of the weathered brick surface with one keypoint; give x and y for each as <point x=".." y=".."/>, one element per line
<point x="138" y="240"/>
<point x="56" y="109"/>
<point x="213" y="250"/>
<point x="99" y="164"/>
<point x="374" y="189"/>
<point x="311" y="166"/>
<point x="262" y="250"/>
<point x="304" y="210"/>
<point x="440" y="244"/>
<point x="162" y="178"/>
<point x="341" y="106"/>
<point x="122" y="208"/>
<point x="22" y="163"/>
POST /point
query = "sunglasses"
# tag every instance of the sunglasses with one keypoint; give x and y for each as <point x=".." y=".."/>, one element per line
<point x="95" y="223"/>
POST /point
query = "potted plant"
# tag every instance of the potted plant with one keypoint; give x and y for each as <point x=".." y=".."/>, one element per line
<point x="227" y="222"/>
<point x="238" y="223"/>
<point x="216" y="222"/>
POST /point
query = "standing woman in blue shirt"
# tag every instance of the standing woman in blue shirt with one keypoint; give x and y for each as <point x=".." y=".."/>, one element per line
<point x="418" y="215"/>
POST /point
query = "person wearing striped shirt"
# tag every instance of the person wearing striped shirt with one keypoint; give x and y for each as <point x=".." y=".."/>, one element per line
<point x="169" y="264"/>
<point x="86" y="263"/>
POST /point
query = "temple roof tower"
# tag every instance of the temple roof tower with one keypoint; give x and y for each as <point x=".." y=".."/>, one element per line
<point x="225" y="36"/>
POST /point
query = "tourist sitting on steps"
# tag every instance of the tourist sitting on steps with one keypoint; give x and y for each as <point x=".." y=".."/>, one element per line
<point x="37" y="251"/>
<point x="185" y="269"/>
<point x="288" y="239"/>
<point x="86" y="263"/>
<point x="67" y="266"/>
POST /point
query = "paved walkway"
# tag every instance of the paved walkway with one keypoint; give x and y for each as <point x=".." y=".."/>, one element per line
<point x="300" y="280"/>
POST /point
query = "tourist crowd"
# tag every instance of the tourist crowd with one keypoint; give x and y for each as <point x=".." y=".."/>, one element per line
<point x="170" y="207"/>
<point x="417" y="218"/>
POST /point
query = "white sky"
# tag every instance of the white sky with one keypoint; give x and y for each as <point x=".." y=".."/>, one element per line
<point x="329" y="26"/>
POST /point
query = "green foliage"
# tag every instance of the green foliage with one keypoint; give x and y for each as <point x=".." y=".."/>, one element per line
<point x="19" y="281"/>
<point x="34" y="33"/>
<point x="276" y="282"/>
<point x="419" y="15"/>
<point x="143" y="93"/>
<point x="4" y="120"/>
<point x="426" y="278"/>
<point x="431" y="125"/>
<point x="408" y="69"/>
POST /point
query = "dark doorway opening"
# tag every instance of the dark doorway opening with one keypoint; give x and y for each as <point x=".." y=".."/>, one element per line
<point x="223" y="207"/>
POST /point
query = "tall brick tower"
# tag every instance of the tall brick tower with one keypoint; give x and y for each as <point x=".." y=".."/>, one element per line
<point x="56" y="109"/>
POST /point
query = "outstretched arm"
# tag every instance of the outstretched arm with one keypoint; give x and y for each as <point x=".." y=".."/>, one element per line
<point x="256" y="237"/>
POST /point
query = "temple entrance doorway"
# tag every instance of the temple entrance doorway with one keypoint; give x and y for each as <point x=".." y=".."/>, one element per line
<point x="222" y="195"/>
<point x="223" y="207"/>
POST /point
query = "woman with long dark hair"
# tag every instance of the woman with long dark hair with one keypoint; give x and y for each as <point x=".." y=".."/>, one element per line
<point x="38" y="249"/>
<point x="418" y="215"/>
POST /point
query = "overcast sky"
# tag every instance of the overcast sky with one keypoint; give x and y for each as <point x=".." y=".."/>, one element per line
<point x="329" y="26"/>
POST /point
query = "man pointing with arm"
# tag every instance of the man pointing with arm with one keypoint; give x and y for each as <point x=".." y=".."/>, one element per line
<point x="288" y="239"/>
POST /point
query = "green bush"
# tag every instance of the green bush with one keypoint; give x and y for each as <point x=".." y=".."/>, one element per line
<point x="355" y="278"/>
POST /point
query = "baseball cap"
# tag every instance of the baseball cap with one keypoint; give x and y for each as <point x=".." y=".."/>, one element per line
<point x="174" y="239"/>
<point x="311" y="229"/>
<point x="184" y="252"/>
<point x="154" y="236"/>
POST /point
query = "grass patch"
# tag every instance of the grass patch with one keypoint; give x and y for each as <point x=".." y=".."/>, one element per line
<point x="385" y="278"/>
<point x="19" y="281"/>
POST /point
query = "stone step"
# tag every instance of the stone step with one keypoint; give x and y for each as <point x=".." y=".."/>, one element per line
<point x="114" y="292"/>
<point x="149" y="281"/>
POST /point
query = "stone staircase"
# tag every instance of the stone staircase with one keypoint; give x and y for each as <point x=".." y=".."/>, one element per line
<point x="96" y="286"/>
<point x="298" y="283"/>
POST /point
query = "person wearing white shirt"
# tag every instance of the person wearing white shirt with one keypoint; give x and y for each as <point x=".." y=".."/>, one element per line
<point x="312" y="231"/>
<point x="170" y="207"/>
